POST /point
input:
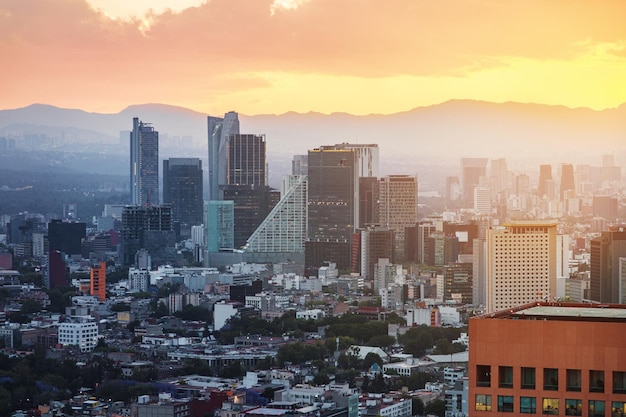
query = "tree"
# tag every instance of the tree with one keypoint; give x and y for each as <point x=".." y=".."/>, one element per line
<point x="436" y="407"/>
<point x="418" y="406"/>
<point x="370" y="359"/>
<point x="30" y="306"/>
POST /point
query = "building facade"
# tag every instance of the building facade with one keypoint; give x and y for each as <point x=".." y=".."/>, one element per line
<point x="144" y="164"/>
<point x="182" y="189"/>
<point x="397" y="206"/>
<point x="521" y="264"/>
<point x="548" y="359"/>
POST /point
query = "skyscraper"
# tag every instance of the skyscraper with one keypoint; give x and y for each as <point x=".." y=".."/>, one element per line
<point x="545" y="174"/>
<point x="219" y="130"/>
<point x="473" y="171"/>
<point x="397" y="207"/>
<point x="245" y="184"/>
<point x="331" y="204"/>
<point x="144" y="164"/>
<point x="608" y="267"/>
<point x="567" y="180"/>
<point x="148" y="228"/>
<point x="521" y="264"/>
<point x="182" y="188"/>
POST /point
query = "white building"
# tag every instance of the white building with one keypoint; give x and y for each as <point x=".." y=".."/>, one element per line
<point x="222" y="312"/>
<point x="313" y="314"/>
<point x="82" y="332"/>
<point x="138" y="280"/>
<point x="521" y="264"/>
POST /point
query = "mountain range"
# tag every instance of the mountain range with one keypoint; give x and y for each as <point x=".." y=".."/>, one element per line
<point x="429" y="136"/>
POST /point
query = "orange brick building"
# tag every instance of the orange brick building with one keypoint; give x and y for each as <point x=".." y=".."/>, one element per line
<point x="98" y="278"/>
<point x="549" y="358"/>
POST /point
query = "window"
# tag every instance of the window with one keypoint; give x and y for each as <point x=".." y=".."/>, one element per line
<point x="617" y="409"/>
<point x="483" y="402"/>
<point x="528" y="378"/>
<point x="619" y="382"/>
<point x="573" y="407"/>
<point x="596" y="381"/>
<point x="550" y="379"/>
<point x="505" y="403"/>
<point x="572" y="380"/>
<point x="550" y="406"/>
<point x="483" y="375"/>
<point x="596" y="408"/>
<point x="505" y="376"/>
<point x="527" y="405"/>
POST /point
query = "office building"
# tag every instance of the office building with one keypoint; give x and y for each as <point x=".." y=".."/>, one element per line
<point x="605" y="206"/>
<point x="66" y="237"/>
<point x="608" y="266"/>
<point x="376" y="243"/>
<point x="284" y="228"/>
<point x="148" y="228"/>
<point x="331" y="205"/>
<point x="144" y="164"/>
<point x="219" y="224"/>
<point x="368" y="201"/>
<point x="567" y="180"/>
<point x="548" y="359"/>
<point x="453" y="188"/>
<point x="473" y="173"/>
<point x="545" y="175"/>
<point x="482" y="200"/>
<point x="56" y="273"/>
<point x="98" y="281"/>
<point x="81" y="332"/>
<point x="457" y="282"/>
<point x="397" y="207"/>
<point x="219" y="130"/>
<point x="521" y="264"/>
<point x="246" y="184"/>
<point x="182" y="189"/>
<point x="138" y="280"/>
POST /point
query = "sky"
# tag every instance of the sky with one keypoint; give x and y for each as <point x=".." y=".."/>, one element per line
<point x="275" y="56"/>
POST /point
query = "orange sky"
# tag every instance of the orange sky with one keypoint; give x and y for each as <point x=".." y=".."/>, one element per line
<point x="274" y="56"/>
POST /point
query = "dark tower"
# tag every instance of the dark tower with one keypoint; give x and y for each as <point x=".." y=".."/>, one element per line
<point x="182" y="189"/>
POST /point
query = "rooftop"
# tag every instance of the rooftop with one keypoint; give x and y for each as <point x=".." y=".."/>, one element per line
<point x="564" y="312"/>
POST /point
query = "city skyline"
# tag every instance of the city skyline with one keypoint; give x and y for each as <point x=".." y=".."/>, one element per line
<point x="311" y="55"/>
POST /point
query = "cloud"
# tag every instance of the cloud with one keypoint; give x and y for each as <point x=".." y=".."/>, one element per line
<point x="55" y="46"/>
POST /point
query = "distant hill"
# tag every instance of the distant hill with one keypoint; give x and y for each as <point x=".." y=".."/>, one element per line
<point x="409" y="141"/>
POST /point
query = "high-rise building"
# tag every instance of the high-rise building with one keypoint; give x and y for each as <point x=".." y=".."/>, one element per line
<point x="457" y="282"/>
<point x="545" y="174"/>
<point x="98" y="279"/>
<point x="482" y="200"/>
<point x="219" y="225"/>
<point x="453" y="188"/>
<point x="331" y="202"/>
<point x="376" y="243"/>
<point x="499" y="176"/>
<point x="521" y="264"/>
<point x="182" y="189"/>
<point x="219" y="130"/>
<point x="567" y="180"/>
<point x="397" y="207"/>
<point x="368" y="201"/>
<point x="473" y="173"/>
<point x="66" y="237"/>
<point x="608" y="267"/>
<point x="144" y="164"/>
<point x="246" y="160"/>
<point x="56" y="274"/>
<point x="148" y="228"/>
<point x="284" y="228"/>
<point x="245" y="184"/>
<point x="551" y="358"/>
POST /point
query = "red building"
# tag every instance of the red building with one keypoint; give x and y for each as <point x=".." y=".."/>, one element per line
<point x="549" y="358"/>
